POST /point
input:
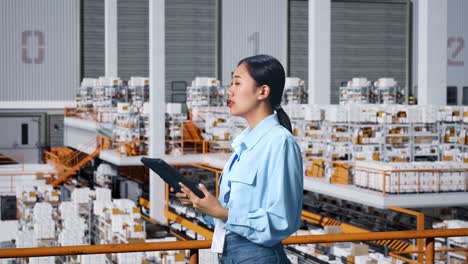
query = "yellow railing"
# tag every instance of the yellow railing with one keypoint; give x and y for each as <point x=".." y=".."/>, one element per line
<point x="194" y="246"/>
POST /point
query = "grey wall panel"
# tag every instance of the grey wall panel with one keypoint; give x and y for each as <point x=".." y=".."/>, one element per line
<point x="55" y="130"/>
<point x="252" y="27"/>
<point x="298" y="39"/>
<point x="190" y="41"/>
<point x="39" y="50"/>
<point x="133" y="38"/>
<point x="92" y="38"/>
<point x="367" y="40"/>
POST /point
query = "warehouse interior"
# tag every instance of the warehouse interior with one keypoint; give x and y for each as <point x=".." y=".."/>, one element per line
<point x="376" y="90"/>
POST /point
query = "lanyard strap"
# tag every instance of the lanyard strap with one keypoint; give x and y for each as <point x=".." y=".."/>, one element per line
<point x="228" y="193"/>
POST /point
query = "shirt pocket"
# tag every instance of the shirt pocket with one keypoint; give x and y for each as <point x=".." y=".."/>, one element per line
<point x="243" y="188"/>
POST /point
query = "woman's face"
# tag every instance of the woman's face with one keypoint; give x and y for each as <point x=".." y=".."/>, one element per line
<point x="242" y="97"/>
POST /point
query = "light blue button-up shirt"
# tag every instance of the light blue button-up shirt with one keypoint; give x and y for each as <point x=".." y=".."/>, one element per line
<point x="266" y="184"/>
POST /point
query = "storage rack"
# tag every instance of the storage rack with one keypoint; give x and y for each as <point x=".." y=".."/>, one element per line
<point x="175" y="133"/>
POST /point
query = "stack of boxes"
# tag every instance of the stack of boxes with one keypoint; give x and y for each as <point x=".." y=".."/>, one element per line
<point x="294" y="91"/>
<point x="104" y="174"/>
<point x="44" y="225"/>
<point x="138" y="92"/>
<point x="73" y="226"/>
<point x="42" y="260"/>
<point x="144" y="129"/>
<point x="341" y="173"/>
<point x="92" y="259"/>
<point x="38" y="219"/>
<point x="390" y="133"/>
<point x="69" y="223"/>
<point x="389" y="92"/>
<point x="120" y="107"/>
<point x="412" y="177"/>
<point x="357" y="91"/>
<point x="119" y="221"/>
<point x="366" y="133"/>
<point x="312" y="138"/>
<point x="26" y="197"/>
<point x="106" y="96"/>
<point x="450" y="128"/>
<point x="362" y="91"/>
<point x="205" y="91"/>
<point x="84" y="98"/>
<point x="175" y="128"/>
<point x="316" y="169"/>
<point x="339" y="148"/>
<point x="127" y="130"/>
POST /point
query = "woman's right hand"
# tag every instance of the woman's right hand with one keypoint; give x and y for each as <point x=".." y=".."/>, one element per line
<point x="182" y="197"/>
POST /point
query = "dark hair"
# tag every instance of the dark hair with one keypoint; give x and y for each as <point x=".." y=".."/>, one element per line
<point x="266" y="70"/>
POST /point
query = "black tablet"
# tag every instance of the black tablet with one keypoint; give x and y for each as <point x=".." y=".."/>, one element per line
<point x="170" y="175"/>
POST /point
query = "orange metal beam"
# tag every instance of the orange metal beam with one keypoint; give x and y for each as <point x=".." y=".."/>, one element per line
<point x="103" y="249"/>
<point x="419" y="226"/>
<point x="430" y="250"/>
<point x="396" y="256"/>
<point x="203" y="244"/>
<point x="189" y="224"/>
<point x="392" y="235"/>
<point x="27" y="173"/>
<point x="437" y="250"/>
<point x="347" y="228"/>
<point x="68" y="173"/>
<point x="143" y="202"/>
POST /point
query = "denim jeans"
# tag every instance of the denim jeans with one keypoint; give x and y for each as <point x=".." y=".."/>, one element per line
<point x="238" y="249"/>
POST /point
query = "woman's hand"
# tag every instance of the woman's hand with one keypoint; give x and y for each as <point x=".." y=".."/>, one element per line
<point x="208" y="205"/>
<point x="184" y="200"/>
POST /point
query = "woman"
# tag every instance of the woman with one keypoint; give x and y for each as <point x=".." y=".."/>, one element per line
<point x="261" y="185"/>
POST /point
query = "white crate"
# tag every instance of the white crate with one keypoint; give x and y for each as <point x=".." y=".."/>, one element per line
<point x="68" y="210"/>
<point x="44" y="228"/>
<point x="92" y="259"/>
<point x="26" y="239"/>
<point x="81" y="195"/>
<point x="103" y="194"/>
<point x="42" y="210"/>
<point x="42" y="260"/>
<point x="130" y="258"/>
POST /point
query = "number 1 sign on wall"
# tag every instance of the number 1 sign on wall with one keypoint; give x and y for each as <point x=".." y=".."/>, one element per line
<point x="26" y="37"/>
<point x="455" y="46"/>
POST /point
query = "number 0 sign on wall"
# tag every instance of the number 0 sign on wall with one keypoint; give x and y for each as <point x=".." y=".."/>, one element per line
<point x="26" y="38"/>
<point x="455" y="46"/>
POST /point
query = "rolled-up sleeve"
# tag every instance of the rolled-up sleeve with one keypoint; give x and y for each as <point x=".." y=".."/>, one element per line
<point x="280" y="215"/>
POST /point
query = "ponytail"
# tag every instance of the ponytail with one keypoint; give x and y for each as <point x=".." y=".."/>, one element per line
<point x="283" y="118"/>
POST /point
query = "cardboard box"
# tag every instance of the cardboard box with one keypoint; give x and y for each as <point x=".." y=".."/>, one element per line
<point x="332" y="230"/>
<point x="359" y="249"/>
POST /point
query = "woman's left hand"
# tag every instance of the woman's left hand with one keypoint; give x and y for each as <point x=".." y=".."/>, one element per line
<point x="208" y="205"/>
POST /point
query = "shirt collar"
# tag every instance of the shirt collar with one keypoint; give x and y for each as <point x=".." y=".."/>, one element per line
<point x="249" y="137"/>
